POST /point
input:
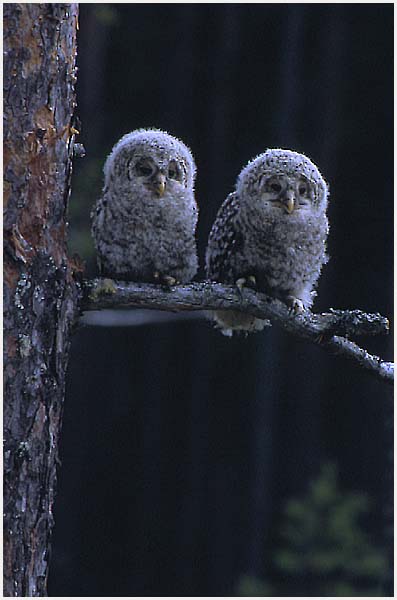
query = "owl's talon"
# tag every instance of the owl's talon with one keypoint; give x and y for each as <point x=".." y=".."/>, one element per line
<point x="105" y="287"/>
<point x="296" y="305"/>
<point x="243" y="282"/>
<point x="168" y="280"/>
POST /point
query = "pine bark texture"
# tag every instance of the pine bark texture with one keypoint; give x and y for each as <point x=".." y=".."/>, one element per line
<point x="40" y="296"/>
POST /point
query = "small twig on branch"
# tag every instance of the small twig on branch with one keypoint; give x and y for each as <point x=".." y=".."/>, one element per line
<point x="326" y="329"/>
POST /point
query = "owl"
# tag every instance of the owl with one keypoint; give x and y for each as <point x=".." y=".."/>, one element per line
<point x="270" y="233"/>
<point x="144" y="223"/>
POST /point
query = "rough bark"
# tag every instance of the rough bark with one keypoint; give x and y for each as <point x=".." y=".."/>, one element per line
<point x="40" y="296"/>
<point x="326" y="329"/>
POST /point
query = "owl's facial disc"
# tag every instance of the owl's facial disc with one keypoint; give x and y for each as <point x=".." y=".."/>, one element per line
<point x="150" y="175"/>
<point x="288" y="193"/>
<point x="158" y="176"/>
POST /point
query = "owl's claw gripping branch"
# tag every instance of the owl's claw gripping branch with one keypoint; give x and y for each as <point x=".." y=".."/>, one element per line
<point x="332" y="328"/>
<point x="166" y="280"/>
<point x="296" y="305"/>
<point x="105" y="287"/>
<point x="240" y="283"/>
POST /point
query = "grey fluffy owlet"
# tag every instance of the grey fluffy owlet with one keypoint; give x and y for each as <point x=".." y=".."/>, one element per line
<point x="144" y="223"/>
<point x="271" y="233"/>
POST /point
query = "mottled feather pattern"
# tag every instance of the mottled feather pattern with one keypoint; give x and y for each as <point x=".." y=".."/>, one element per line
<point x="271" y="230"/>
<point x="145" y="221"/>
<point x="269" y="233"/>
<point x="223" y="241"/>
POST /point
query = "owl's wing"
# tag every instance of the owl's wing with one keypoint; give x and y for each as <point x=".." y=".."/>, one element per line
<point x="225" y="238"/>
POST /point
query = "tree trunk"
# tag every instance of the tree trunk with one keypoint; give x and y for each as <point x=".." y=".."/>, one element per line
<point x="40" y="295"/>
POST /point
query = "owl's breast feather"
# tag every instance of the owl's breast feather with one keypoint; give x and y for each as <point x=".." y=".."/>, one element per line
<point x="288" y="241"/>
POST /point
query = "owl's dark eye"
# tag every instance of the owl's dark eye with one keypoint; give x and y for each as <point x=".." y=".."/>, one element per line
<point x="173" y="172"/>
<point x="302" y="190"/>
<point x="276" y="187"/>
<point x="143" y="168"/>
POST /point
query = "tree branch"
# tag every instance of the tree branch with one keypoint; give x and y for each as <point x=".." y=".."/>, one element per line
<point x="327" y="330"/>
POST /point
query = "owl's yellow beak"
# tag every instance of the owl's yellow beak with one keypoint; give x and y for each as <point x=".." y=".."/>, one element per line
<point x="159" y="184"/>
<point x="289" y="201"/>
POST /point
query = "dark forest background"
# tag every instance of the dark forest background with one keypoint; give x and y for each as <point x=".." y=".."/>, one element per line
<point x="197" y="465"/>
